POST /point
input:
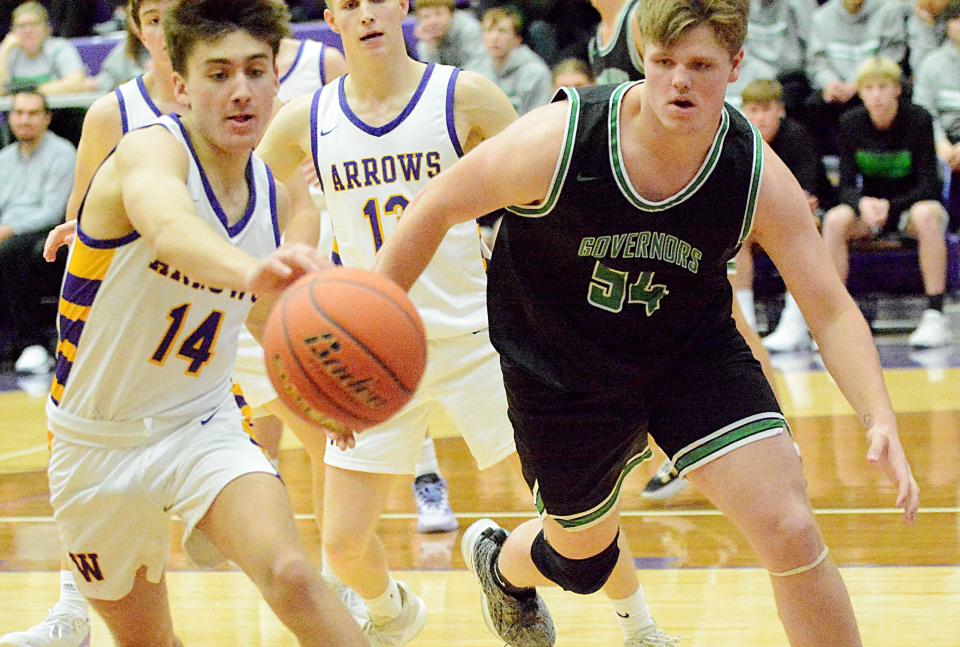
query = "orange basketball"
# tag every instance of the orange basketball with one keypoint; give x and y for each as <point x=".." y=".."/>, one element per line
<point x="345" y="344"/>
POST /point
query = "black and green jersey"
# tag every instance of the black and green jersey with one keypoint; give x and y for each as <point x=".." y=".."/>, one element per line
<point x="597" y="284"/>
<point x="619" y="60"/>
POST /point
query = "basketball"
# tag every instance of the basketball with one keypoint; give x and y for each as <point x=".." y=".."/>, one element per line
<point x="345" y="344"/>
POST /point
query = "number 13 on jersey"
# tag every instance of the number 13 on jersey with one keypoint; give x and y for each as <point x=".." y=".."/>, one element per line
<point x="394" y="206"/>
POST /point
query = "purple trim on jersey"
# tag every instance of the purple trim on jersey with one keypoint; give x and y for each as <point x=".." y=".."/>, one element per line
<point x="146" y="97"/>
<point x="274" y="217"/>
<point x="124" y="124"/>
<point x="212" y="197"/>
<point x="296" y="59"/>
<point x="323" y="54"/>
<point x="379" y="131"/>
<point x="107" y="243"/>
<point x="451" y="117"/>
<point x="314" y="138"/>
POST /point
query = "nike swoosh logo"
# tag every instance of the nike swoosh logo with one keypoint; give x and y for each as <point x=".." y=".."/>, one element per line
<point x="587" y="178"/>
<point x="203" y="422"/>
<point x="623" y="615"/>
<point x="324" y="133"/>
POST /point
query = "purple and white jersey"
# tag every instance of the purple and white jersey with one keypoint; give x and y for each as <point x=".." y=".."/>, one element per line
<point x="306" y="74"/>
<point x="370" y="174"/>
<point x="145" y="348"/>
<point x="136" y="107"/>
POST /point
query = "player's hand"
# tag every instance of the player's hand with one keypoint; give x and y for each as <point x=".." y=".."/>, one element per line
<point x="62" y="234"/>
<point x="886" y="452"/>
<point x="339" y="435"/>
<point x="283" y="267"/>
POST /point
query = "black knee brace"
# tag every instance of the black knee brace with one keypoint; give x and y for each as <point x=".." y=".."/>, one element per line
<point x="581" y="576"/>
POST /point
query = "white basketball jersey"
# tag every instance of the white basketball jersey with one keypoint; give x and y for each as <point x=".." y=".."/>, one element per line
<point x="136" y="107"/>
<point x="306" y="74"/>
<point x="143" y="347"/>
<point x="370" y="174"/>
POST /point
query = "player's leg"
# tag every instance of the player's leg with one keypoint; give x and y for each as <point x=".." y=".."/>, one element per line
<point x="142" y="617"/>
<point x="251" y="523"/>
<point x="66" y="625"/>
<point x="356" y="485"/>
<point x="761" y="488"/>
<point x="927" y="222"/>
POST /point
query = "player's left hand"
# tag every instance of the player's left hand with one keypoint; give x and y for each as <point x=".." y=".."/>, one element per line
<point x="886" y="452"/>
<point x="339" y="435"/>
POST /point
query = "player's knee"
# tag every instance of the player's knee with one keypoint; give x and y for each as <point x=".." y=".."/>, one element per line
<point x="837" y="220"/>
<point x="581" y="576"/>
<point x="290" y="579"/>
<point x="340" y="547"/>
<point x="791" y="539"/>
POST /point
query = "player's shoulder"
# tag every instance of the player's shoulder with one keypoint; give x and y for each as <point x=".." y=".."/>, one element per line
<point x="149" y="145"/>
<point x="104" y="111"/>
<point x="473" y="86"/>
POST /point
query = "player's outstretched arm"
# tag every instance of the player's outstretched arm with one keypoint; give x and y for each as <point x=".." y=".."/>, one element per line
<point x="784" y="229"/>
<point x="513" y="168"/>
<point x="151" y="170"/>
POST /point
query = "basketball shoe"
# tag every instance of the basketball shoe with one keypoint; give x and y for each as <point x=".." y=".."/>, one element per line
<point x="59" y="629"/>
<point x="651" y="637"/>
<point x="403" y="628"/>
<point x="519" y="620"/>
<point x="433" y="506"/>
<point x="664" y="484"/>
<point x="350" y="598"/>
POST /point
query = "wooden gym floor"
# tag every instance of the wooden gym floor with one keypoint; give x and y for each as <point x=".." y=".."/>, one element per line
<point x="702" y="580"/>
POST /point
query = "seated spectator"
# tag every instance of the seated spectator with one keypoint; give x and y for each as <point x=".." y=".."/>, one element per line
<point x="778" y="33"/>
<point x="447" y="36"/>
<point x="36" y="173"/>
<point x="128" y="59"/>
<point x="763" y="105"/>
<point x="843" y="35"/>
<point x="613" y="51"/>
<point x="938" y="91"/>
<point x="889" y="184"/>
<point x="926" y="31"/>
<point x="572" y="73"/>
<point x="74" y="18"/>
<point x="29" y="57"/>
<point x="521" y="74"/>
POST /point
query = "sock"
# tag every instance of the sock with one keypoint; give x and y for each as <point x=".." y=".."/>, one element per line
<point x="633" y="613"/>
<point x="325" y="569"/>
<point x="935" y="302"/>
<point x="427" y="463"/>
<point x="386" y="606"/>
<point x="745" y="301"/>
<point x="71" y="600"/>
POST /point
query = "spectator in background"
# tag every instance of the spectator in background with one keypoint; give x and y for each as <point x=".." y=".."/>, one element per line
<point x="29" y="57"/>
<point x="73" y="18"/>
<point x="613" y="51"/>
<point x="514" y="67"/>
<point x="572" y="73"/>
<point x="447" y="36"/>
<point x="128" y="59"/>
<point x="890" y="184"/>
<point x="777" y="35"/>
<point x="844" y="34"/>
<point x="926" y="31"/>
<point x="763" y="104"/>
<point x="36" y="173"/>
<point x="938" y="91"/>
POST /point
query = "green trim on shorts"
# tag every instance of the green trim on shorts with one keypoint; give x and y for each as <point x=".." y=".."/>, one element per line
<point x="725" y="440"/>
<point x="584" y="520"/>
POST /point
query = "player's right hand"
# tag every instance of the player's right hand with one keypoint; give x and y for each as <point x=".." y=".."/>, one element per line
<point x="284" y="266"/>
<point x="62" y="234"/>
<point x="886" y="452"/>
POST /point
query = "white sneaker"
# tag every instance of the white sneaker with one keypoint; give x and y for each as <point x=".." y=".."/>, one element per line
<point x="58" y="630"/>
<point x="403" y="628"/>
<point x="651" y="637"/>
<point x="433" y="506"/>
<point x="932" y="332"/>
<point x="34" y="360"/>
<point x="788" y="337"/>
<point x="664" y="484"/>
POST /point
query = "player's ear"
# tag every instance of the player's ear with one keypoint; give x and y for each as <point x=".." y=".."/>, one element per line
<point x="405" y="5"/>
<point x="735" y="71"/>
<point x="180" y="90"/>
<point x="330" y="20"/>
